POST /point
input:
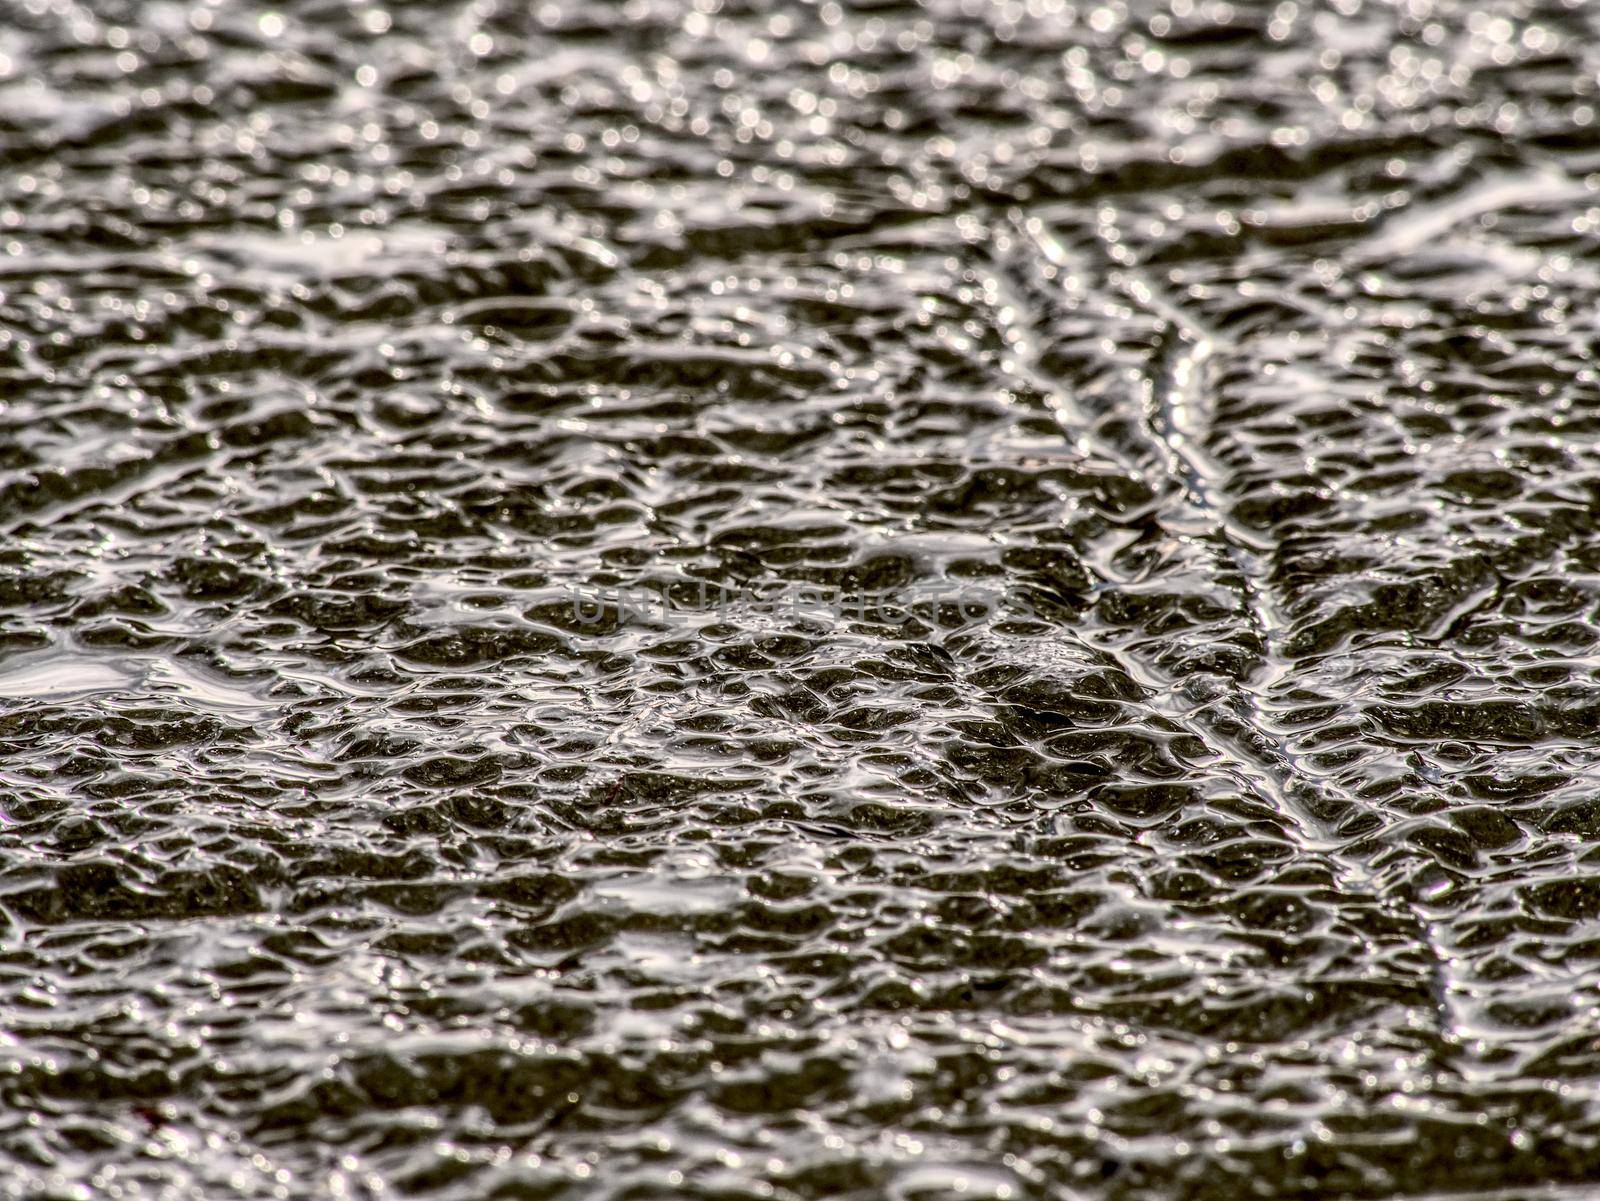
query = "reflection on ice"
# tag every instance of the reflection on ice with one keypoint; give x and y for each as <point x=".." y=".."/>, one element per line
<point x="58" y="676"/>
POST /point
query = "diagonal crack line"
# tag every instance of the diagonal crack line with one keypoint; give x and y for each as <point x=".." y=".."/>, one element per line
<point x="1176" y="422"/>
<point x="1174" y="428"/>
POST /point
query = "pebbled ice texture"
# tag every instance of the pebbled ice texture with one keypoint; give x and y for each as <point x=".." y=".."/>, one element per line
<point x="764" y="600"/>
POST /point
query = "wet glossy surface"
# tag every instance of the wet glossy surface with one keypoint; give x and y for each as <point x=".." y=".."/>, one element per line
<point x="985" y="600"/>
